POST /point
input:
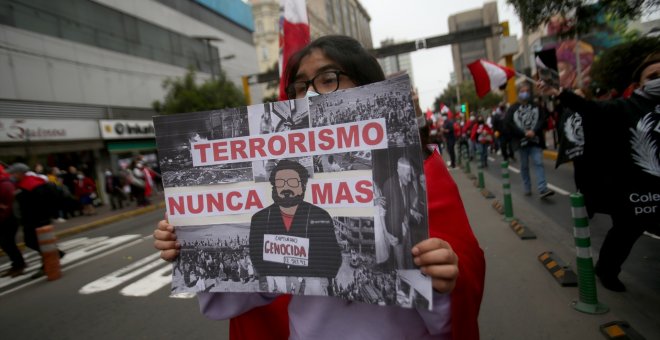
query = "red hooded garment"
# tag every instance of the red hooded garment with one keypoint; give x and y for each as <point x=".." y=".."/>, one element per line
<point x="447" y="221"/>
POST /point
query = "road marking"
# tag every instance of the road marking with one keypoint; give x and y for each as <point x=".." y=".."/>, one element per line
<point x="551" y="186"/>
<point x="112" y="245"/>
<point x="150" y="283"/>
<point x="558" y="190"/>
<point x="122" y="275"/>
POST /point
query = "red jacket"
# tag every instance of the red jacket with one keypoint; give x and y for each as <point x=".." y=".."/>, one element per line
<point x="481" y="129"/>
<point x="447" y="221"/>
<point x="84" y="186"/>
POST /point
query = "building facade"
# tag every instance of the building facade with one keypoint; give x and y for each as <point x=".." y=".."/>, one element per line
<point x="395" y="64"/>
<point x="79" y="77"/>
<point x="467" y="52"/>
<point x="326" y="17"/>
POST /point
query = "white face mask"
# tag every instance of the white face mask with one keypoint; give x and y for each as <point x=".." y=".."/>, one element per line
<point x="311" y="93"/>
<point x="652" y="87"/>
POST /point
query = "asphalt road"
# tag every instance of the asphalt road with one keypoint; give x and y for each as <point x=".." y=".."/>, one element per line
<point x="133" y="304"/>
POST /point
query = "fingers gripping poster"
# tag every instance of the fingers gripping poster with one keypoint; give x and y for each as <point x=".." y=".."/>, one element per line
<point x="314" y="196"/>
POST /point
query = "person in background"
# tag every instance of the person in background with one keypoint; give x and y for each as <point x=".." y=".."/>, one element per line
<point x="9" y="226"/>
<point x="36" y="200"/>
<point x="525" y="123"/>
<point x="85" y="190"/>
<point x="54" y="178"/>
<point x="482" y="137"/>
<point x="114" y="190"/>
<point x="327" y="64"/>
<point x="628" y="130"/>
<point x="447" y="129"/>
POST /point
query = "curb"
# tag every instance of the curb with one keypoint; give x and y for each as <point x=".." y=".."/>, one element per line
<point x="100" y="222"/>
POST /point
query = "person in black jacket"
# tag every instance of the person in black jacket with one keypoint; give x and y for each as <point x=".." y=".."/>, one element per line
<point x="524" y="121"/>
<point x="292" y="237"/>
<point x="630" y="130"/>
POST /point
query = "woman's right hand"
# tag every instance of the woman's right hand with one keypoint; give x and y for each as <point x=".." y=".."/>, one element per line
<point x="165" y="241"/>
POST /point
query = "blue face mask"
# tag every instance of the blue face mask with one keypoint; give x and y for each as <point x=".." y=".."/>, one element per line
<point x="311" y="93"/>
<point x="523" y="95"/>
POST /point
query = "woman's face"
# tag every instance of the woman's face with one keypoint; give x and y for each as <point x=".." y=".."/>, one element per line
<point x="315" y="63"/>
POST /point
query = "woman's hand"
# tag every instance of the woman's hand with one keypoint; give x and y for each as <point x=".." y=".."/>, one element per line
<point x="165" y="241"/>
<point x="437" y="260"/>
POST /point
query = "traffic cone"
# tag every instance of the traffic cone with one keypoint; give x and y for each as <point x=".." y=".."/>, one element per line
<point x="588" y="297"/>
<point x="506" y="190"/>
<point x="50" y="255"/>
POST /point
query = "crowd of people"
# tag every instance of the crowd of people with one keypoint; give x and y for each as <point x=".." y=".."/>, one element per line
<point x="212" y="260"/>
<point x="36" y="196"/>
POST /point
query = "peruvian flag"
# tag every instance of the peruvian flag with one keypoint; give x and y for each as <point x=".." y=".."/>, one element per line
<point x="489" y="76"/>
<point x="294" y="34"/>
<point x="445" y="110"/>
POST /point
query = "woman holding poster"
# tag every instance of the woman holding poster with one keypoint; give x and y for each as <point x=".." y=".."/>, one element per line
<point x="326" y="65"/>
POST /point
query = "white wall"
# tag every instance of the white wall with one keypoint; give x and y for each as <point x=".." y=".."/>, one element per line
<point x="44" y="68"/>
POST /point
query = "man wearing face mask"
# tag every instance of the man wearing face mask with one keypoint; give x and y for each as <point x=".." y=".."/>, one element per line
<point x="292" y="237"/>
<point x="630" y="129"/>
<point x="525" y="124"/>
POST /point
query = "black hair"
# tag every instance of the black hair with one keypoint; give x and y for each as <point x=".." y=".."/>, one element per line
<point x="348" y="53"/>
<point x="286" y="164"/>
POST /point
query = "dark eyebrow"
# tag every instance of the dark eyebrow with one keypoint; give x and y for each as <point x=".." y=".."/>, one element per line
<point x="321" y="70"/>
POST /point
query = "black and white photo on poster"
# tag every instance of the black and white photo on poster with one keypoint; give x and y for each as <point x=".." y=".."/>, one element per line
<point x="314" y="215"/>
<point x="355" y="160"/>
<point x="370" y="101"/>
<point x="178" y="131"/>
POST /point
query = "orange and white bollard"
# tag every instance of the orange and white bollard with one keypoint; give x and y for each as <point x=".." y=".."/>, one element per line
<point x="50" y="255"/>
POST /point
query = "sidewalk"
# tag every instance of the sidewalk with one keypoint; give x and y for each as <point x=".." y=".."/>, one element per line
<point x="522" y="300"/>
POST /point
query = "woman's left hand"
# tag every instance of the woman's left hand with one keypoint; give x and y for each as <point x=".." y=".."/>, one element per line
<point x="437" y="259"/>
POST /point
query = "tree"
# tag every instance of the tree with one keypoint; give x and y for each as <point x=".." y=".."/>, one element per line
<point x="615" y="67"/>
<point x="534" y="13"/>
<point x="469" y="95"/>
<point x="185" y="95"/>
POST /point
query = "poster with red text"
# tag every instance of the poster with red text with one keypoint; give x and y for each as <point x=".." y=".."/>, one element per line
<point x="314" y="196"/>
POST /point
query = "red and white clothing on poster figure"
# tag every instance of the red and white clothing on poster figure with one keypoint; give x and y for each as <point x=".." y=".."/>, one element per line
<point x="454" y="315"/>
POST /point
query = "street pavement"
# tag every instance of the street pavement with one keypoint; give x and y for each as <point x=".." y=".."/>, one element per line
<point x="522" y="299"/>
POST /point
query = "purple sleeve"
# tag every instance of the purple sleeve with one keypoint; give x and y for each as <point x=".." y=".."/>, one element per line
<point x="438" y="320"/>
<point x="222" y="306"/>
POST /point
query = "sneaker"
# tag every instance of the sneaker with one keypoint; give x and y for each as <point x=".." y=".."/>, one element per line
<point x="546" y="193"/>
<point x="60" y="220"/>
<point x="14" y="271"/>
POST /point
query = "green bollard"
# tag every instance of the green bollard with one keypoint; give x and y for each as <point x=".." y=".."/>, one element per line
<point x="467" y="163"/>
<point x="588" y="297"/>
<point x="480" y="171"/>
<point x="506" y="190"/>
<point x="459" y="155"/>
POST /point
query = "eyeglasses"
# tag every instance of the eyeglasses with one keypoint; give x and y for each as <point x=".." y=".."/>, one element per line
<point x="291" y="182"/>
<point x="322" y="83"/>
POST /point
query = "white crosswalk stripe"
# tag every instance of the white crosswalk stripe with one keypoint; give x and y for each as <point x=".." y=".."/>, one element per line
<point x="150" y="283"/>
<point x="123" y="275"/>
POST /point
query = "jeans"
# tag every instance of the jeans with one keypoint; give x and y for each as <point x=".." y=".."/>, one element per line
<point x="536" y="153"/>
<point x="483" y="154"/>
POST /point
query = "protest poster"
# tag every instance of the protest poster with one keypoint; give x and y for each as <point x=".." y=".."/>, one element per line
<point x="315" y="196"/>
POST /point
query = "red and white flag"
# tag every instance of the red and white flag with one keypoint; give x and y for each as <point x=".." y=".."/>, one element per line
<point x="294" y="34"/>
<point x="489" y="76"/>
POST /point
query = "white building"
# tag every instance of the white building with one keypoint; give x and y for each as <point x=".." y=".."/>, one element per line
<point x="67" y="66"/>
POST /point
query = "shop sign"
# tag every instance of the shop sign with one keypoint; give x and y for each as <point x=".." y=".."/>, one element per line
<point x="34" y="130"/>
<point x="127" y="129"/>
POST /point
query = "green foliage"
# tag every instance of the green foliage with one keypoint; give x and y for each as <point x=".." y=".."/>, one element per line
<point x="185" y="95"/>
<point x="534" y="13"/>
<point x="615" y="67"/>
<point x="469" y="95"/>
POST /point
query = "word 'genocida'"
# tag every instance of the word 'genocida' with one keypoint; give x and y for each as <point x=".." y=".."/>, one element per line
<point x="356" y="136"/>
